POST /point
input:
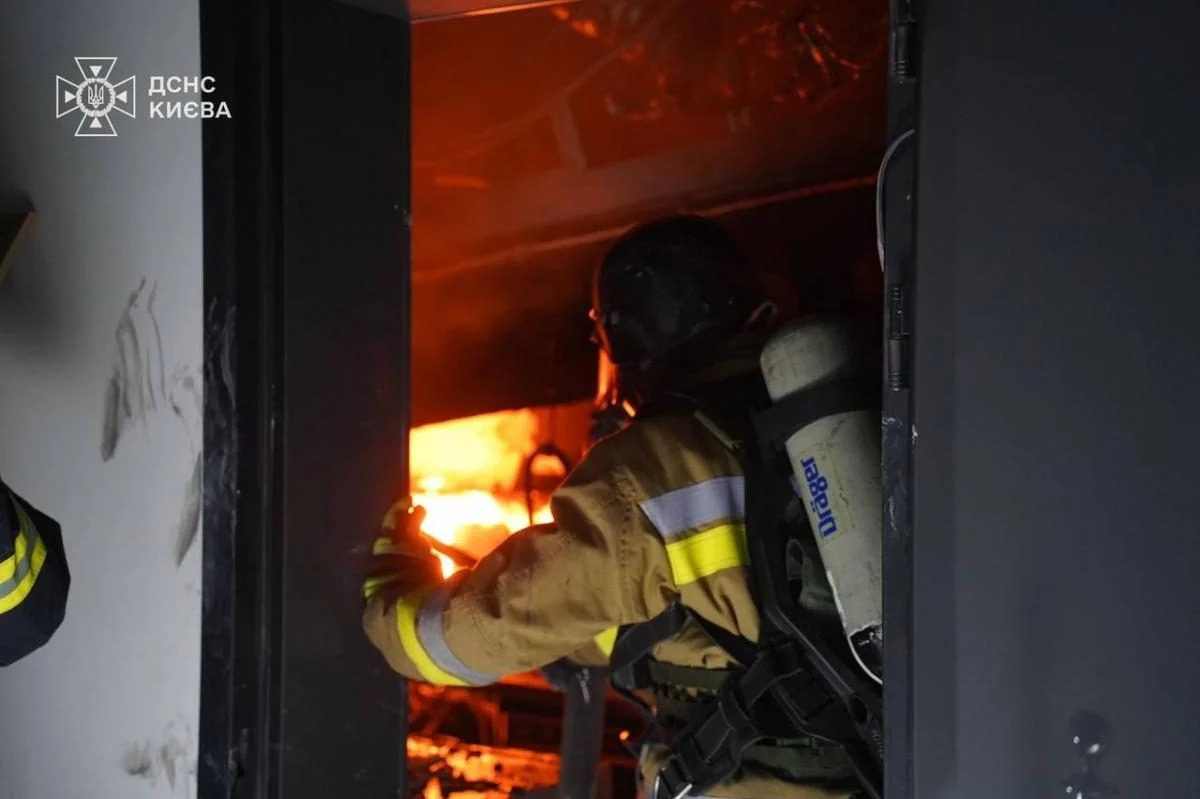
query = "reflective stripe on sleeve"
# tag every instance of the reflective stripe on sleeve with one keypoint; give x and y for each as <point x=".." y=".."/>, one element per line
<point x="372" y="585"/>
<point x="419" y="625"/>
<point x="20" y="571"/>
<point x="703" y="527"/>
<point x="704" y="554"/>
<point x="606" y="640"/>
<point x="429" y="630"/>
<point x="674" y="514"/>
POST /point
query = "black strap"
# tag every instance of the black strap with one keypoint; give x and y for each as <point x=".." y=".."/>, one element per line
<point x="628" y="666"/>
<point x="853" y="718"/>
<point x="740" y="649"/>
<point x="635" y="641"/>
<point x="776" y="424"/>
<point x="782" y="693"/>
<point x="711" y="749"/>
<point x="807" y="689"/>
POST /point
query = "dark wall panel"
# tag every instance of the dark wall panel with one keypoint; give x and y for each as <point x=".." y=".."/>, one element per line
<point x="1057" y="370"/>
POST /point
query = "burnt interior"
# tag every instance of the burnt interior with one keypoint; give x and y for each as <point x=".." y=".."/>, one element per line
<point x="541" y="135"/>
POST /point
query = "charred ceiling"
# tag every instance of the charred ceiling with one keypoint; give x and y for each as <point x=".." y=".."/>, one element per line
<point x="539" y="135"/>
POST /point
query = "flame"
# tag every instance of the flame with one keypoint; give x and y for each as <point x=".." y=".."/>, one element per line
<point x="467" y="476"/>
<point x="484" y="772"/>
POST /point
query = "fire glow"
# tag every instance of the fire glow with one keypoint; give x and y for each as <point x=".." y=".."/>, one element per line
<point x="467" y="474"/>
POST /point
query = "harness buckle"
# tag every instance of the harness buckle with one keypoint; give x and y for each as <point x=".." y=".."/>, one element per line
<point x="662" y="789"/>
<point x="682" y="793"/>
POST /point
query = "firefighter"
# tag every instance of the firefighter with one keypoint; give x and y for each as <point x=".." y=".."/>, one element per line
<point x="652" y="519"/>
<point x="34" y="579"/>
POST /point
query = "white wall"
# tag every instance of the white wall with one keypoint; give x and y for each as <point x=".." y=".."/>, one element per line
<point x="109" y="708"/>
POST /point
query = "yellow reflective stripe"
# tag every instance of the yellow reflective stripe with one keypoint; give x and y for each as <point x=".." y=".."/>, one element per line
<point x="704" y="554"/>
<point x="372" y="584"/>
<point x="606" y="640"/>
<point x="17" y="595"/>
<point x="407" y="611"/>
<point x="8" y="566"/>
<point x="15" y="592"/>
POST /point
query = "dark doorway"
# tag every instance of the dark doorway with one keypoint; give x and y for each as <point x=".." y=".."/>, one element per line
<point x="399" y="229"/>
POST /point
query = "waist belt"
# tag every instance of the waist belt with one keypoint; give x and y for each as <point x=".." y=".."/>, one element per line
<point x="746" y="712"/>
<point x="779" y="696"/>
<point x="800" y="760"/>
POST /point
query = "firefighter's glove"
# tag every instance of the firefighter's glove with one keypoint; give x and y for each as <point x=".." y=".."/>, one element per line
<point x="400" y="557"/>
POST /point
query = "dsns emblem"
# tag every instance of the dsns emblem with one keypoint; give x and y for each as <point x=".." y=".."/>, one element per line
<point x="96" y="97"/>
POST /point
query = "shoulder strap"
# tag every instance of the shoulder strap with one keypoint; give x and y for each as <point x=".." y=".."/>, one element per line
<point x="793" y="686"/>
<point x="790" y="685"/>
<point x="635" y="641"/>
<point x="737" y="647"/>
<point x="776" y="422"/>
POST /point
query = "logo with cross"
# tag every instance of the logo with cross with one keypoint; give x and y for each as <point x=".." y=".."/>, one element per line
<point x="96" y="97"/>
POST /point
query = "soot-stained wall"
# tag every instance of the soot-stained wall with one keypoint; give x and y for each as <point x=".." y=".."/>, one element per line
<point x="100" y="425"/>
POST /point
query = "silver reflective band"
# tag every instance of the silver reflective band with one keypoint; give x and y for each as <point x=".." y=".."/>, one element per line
<point x="429" y="633"/>
<point x="25" y="564"/>
<point x="22" y="567"/>
<point x="701" y="505"/>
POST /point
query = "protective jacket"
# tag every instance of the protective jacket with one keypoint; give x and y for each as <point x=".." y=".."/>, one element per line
<point x="34" y="579"/>
<point x="654" y="515"/>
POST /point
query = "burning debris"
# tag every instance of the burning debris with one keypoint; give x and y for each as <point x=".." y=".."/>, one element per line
<point x="445" y="768"/>
<point x="482" y="478"/>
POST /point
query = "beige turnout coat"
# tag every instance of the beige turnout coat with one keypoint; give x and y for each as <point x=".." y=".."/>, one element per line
<point x="654" y="514"/>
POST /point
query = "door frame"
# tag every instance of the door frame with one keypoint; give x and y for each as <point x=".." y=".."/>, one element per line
<point x="306" y="342"/>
